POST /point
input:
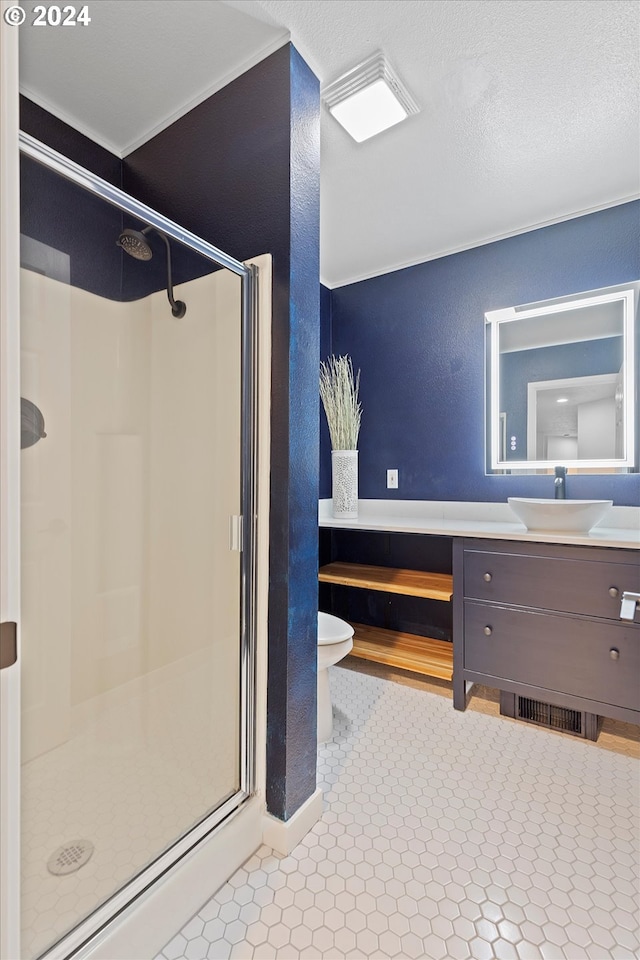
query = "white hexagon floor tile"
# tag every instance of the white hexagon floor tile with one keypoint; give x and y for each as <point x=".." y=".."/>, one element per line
<point x="445" y="836"/>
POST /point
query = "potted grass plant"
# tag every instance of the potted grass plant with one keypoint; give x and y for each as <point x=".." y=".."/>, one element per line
<point x="339" y="394"/>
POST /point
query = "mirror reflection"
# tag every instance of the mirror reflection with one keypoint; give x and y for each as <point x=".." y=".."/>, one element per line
<point x="561" y="383"/>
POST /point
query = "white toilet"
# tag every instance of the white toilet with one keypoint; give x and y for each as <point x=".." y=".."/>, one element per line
<point x="335" y="640"/>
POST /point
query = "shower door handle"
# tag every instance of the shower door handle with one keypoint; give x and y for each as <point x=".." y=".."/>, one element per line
<point x="8" y="643"/>
<point x="235" y="533"/>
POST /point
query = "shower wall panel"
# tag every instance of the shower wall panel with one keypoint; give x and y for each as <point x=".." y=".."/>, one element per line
<point x="132" y="617"/>
<point x="46" y="516"/>
<point x="194" y="470"/>
<point x="110" y="373"/>
<point x="128" y="498"/>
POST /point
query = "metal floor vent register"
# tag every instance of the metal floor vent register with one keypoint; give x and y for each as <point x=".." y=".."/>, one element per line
<point x="70" y="857"/>
<point x="577" y="722"/>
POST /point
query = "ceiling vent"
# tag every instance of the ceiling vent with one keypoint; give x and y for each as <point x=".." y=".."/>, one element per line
<point x="369" y="99"/>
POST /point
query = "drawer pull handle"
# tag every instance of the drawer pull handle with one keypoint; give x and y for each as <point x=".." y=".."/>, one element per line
<point x="614" y="592"/>
<point x="488" y="631"/>
<point x="614" y="654"/>
<point x="488" y="577"/>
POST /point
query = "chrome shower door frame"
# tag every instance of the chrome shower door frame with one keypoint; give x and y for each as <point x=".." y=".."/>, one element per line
<point x="89" y="930"/>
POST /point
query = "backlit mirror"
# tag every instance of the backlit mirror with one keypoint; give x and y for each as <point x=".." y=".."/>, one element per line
<point x="561" y="383"/>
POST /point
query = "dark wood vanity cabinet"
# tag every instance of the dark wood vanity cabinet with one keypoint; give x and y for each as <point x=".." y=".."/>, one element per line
<point x="543" y="621"/>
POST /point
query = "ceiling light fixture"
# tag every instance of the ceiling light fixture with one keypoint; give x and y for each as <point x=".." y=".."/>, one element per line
<point x="562" y="400"/>
<point x="369" y="98"/>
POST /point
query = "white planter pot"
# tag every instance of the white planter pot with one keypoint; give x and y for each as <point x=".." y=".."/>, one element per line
<point x="344" y="477"/>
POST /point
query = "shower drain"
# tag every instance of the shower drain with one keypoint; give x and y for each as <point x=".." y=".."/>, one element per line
<point x="70" y="857"/>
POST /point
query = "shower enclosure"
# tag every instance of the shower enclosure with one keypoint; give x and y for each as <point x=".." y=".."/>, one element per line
<point x="138" y="507"/>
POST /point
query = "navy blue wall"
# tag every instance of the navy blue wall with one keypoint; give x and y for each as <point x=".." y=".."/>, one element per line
<point x="242" y="171"/>
<point x="64" y="216"/>
<point x="222" y="170"/>
<point x="326" y="349"/>
<point x="66" y="140"/>
<point x="57" y="212"/>
<point x="292" y="743"/>
<point x="418" y="336"/>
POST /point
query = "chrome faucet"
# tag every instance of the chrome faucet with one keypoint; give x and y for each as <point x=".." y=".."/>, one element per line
<point x="560" y="483"/>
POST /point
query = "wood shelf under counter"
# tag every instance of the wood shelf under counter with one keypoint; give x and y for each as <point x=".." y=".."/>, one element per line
<point x="406" y="651"/>
<point x="411" y="583"/>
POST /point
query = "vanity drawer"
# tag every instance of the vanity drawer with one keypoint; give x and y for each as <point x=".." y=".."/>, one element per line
<point x="555" y="653"/>
<point x="589" y="588"/>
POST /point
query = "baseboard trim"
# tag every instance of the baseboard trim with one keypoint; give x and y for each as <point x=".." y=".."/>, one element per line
<point x="284" y="835"/>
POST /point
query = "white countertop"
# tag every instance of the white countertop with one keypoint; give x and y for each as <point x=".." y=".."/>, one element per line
<point x="452" y="518"/>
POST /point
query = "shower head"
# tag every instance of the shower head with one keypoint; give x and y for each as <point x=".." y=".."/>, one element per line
<point x="134" y="242"/>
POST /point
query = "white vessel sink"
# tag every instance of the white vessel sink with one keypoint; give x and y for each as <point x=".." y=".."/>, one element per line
<point x="559" y="516"/>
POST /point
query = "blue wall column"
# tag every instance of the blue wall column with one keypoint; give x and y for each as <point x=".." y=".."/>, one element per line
<point x="293" y="596"/>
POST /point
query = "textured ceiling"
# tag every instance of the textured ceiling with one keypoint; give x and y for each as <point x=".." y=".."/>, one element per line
<point x="529" y="108"/>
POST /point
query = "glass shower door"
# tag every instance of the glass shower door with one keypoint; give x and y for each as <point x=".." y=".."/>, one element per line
<point x="135" y="682"/>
